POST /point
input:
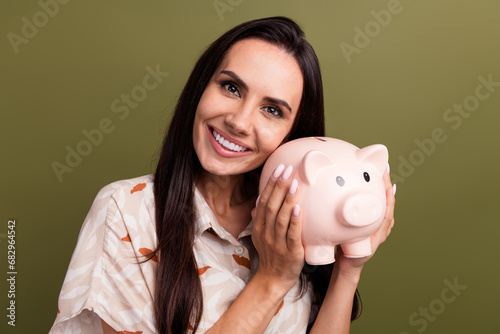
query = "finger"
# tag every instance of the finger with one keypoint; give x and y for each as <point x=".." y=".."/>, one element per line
<point x="387" y="231"/>
<point x="390" y="189"/>
<point x="380" y="236"/>
<point x="294" y="235"/>
<point x="390" y="200"/>
<point x="259" y="222"/>
<point x="276" y="200"/>
<point x="387" y="182"/>
<point x="384" y="230"/>
<point x="285" y="212"/>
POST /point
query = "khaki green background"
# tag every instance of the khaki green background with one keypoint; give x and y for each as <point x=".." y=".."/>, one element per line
<point x="395" y="90"/>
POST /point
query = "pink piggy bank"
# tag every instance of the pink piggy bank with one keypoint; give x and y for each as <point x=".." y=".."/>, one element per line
<point x="342" y="193"/>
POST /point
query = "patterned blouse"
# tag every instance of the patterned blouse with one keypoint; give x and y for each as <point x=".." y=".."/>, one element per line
<point x="105" y="280"/>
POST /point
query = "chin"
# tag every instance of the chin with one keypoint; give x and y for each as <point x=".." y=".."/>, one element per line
<point x="216" y="168"/>
<point x="224" y="169"/>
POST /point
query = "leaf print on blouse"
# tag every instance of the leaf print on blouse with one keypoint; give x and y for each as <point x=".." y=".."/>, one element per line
<point x="138" y="187"/>
<point x="126" y="238"/>
<point x="201" y="271"/>
<point x="146" y="252"/>
<point x="242" y="261"/>
<point x="279" y="307"/>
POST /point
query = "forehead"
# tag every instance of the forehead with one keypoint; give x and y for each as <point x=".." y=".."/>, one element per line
<point x="265" y="68"/>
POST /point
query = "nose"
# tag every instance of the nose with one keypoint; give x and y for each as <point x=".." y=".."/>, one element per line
<point x="362" y="210"/>
<point x="240" y="120"/>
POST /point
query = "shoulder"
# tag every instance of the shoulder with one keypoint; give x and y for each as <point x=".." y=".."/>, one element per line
<point x="140" y="187"/>
<point x="106" y="274"/>
<point x="127" y="195"/>
<point x="129" y="205"/>
<point x="121" y="211"/>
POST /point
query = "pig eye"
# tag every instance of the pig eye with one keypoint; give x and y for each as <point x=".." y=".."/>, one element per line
<point x="340" y="181"/>
<point x="366" y="176"/>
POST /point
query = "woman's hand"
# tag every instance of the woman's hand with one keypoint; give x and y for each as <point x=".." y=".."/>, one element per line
<point x="277" y="231"/>
<point x="355" y="265"/>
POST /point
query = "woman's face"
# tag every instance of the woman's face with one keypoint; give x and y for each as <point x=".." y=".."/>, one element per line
<point x="247" y="108"/>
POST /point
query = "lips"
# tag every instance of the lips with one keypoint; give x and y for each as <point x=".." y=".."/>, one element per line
<point x="225" y="145"/>
<point x="230" y="145"/>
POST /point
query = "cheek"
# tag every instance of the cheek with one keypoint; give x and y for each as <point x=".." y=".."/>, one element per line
<point x="268" y="135"/>
<point x="204" y="112"/>
<point x="209" y="105"/>
<point x="197" y="126"/>
<point x="271" y="138"/>
<point x="201" y="112"/>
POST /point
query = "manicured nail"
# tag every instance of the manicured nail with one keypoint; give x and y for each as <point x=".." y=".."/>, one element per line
<point x="293" y="187"/>
<point x="394" y="189"/>
<point x="257" y="201"/>
<point x="287" y="173"/>
<point x="388" y="169"/>
<point x="296" y="210"/>
<point x="278" y="171"/>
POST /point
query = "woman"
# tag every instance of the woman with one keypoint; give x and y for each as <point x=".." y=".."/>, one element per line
<point x="179" y="252"/>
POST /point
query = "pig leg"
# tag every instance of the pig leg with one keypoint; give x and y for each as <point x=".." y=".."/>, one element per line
<point x="319" y="254"/>
<point x="359" y="248"/>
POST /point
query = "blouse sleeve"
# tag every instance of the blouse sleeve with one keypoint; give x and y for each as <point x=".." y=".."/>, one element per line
<point x="106" y="278"/>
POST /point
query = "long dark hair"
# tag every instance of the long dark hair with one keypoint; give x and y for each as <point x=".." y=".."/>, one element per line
<point x="178" y="296"/>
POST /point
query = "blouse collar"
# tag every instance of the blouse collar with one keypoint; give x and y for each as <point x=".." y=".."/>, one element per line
<point x="205" y="220"/>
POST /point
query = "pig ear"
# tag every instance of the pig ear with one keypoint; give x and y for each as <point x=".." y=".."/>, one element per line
<point x="312" y="163"/>
<point x="375" y="154"/>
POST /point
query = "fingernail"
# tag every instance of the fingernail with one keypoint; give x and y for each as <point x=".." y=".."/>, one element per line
<point x="257" y="201"/>
<point x="293" y="187"/>
<point x="287" y="173"/>
<point x="394" y="189"/>
<point x="388" y="169"/>
<point x="296" y="210"/>
<point x="278" y="171"/>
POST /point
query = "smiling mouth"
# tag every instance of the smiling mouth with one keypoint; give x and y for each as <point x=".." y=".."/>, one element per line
<point x="226" y="143"/>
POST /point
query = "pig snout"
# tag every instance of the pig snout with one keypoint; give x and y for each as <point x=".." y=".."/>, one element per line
<point x="362" y="210"/>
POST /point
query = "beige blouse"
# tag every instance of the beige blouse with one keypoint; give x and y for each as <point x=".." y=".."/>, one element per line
<point x="105" y="280"/>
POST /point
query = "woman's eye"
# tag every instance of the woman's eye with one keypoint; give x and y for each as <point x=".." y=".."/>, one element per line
<point x="231" y="89"/>
<point x="274" y="111"/>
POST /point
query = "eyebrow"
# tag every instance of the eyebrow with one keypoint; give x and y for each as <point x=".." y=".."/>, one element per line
<point x="244" y="85"/>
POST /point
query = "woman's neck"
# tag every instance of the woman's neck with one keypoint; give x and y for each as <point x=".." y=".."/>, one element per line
<point x="229" y="197"/>
<point x="221" y="191"/>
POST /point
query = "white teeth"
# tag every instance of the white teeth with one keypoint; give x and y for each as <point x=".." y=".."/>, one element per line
<point x="226" y="143"/>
